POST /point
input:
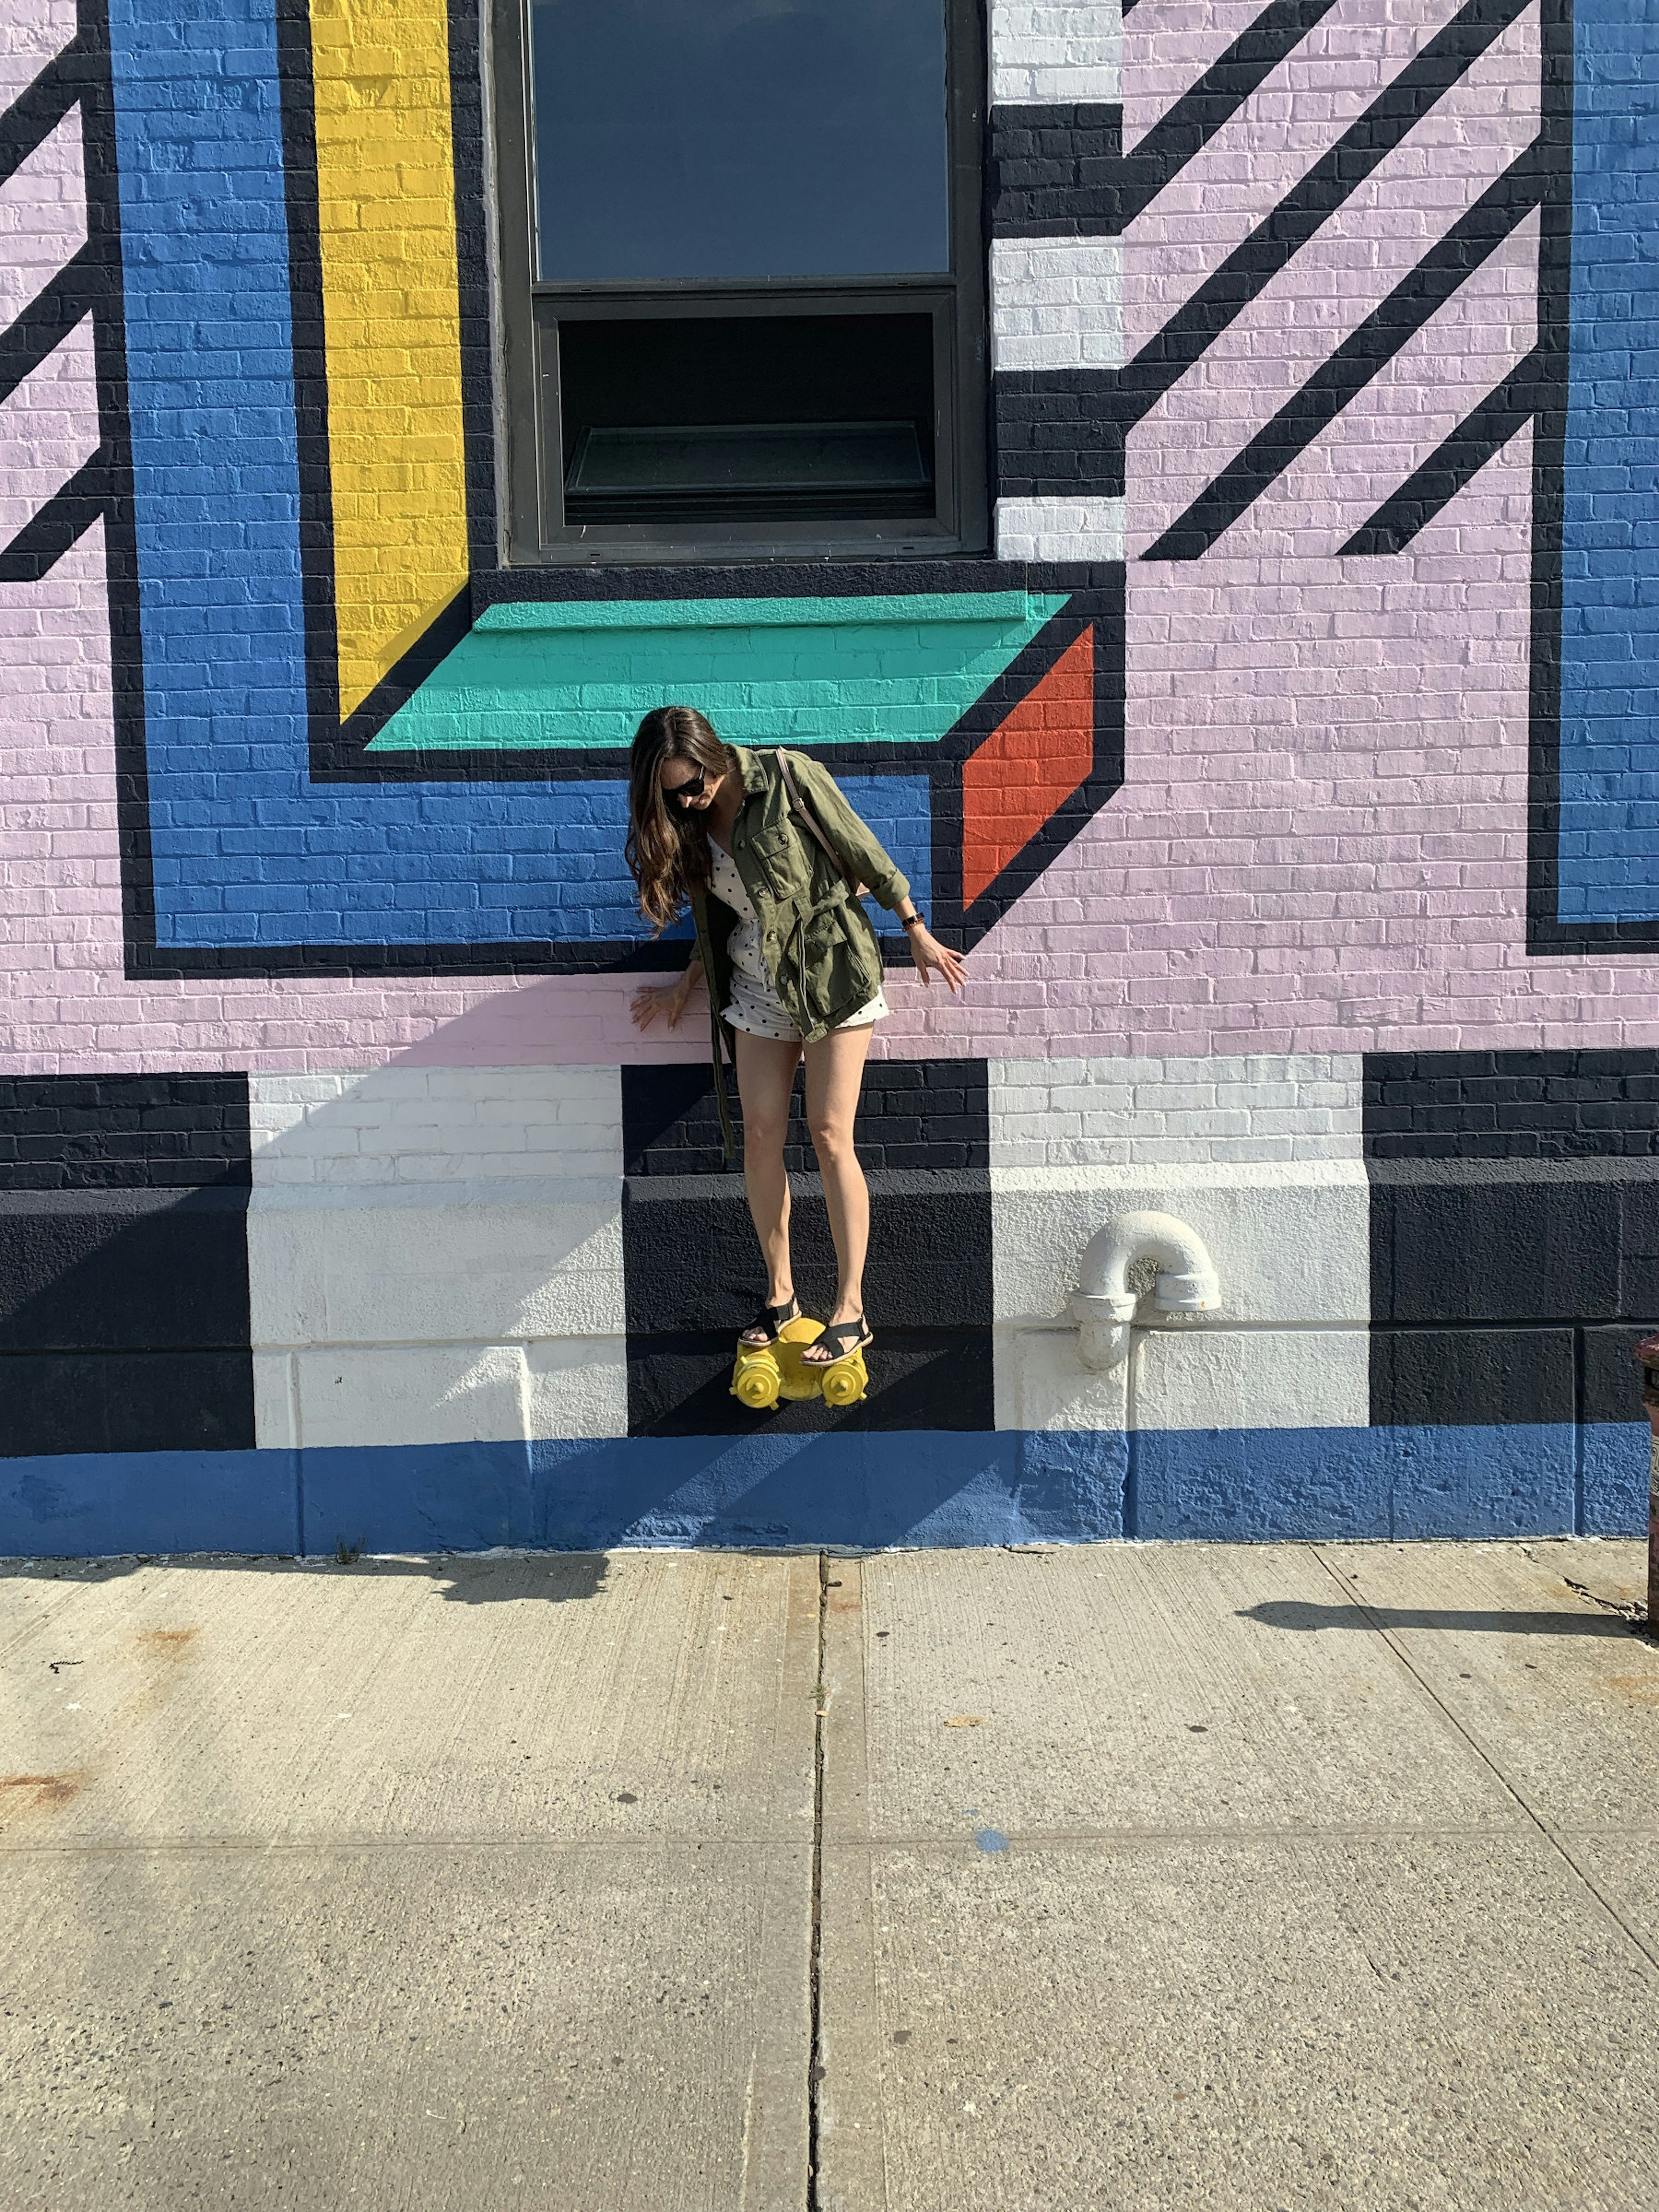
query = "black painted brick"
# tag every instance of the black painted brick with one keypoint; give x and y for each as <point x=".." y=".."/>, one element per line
<point x="1610" y="1381"/>
<point x="692" y="1263"/>
<point x="122" y="1273"/>
<point x="1511" y="1105"/>
<point x="1057" y="434"/>
<point x="1638" y="1251"/>
<point x="123" y="1132"/>
<point x="1467" y="1377"/>
<point x="1459" y="1251"/>
<point x="913" y="1113"/>
<point x="1060" y="172"/>
<point x="125" y="1401"/>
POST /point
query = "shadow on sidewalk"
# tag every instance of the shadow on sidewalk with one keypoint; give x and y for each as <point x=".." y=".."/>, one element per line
<point x="464" y="1578"/>
<point x="1293" y="1612"/>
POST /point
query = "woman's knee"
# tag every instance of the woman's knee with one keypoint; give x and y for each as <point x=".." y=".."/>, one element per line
<point x="832" y="1140"/>
<point x="764" y="1134"/>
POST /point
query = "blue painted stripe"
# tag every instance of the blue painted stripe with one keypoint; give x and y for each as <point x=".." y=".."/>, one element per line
<point x="1609" y="829"/>
<point x="246" y="850"/>
<point x="89" y="1504"/>
<point x="861" y="1490"/>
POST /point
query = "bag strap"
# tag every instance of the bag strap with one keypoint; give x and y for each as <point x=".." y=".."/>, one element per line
<point x="718" y="1034"/>
<point x="803" y="813"/>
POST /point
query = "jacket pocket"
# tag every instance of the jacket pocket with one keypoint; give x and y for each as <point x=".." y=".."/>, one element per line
<point x="839" y="966"/>
<point x="772" y="852"/>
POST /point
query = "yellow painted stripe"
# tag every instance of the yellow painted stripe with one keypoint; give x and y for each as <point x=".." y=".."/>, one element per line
<point x="386" y="201"/>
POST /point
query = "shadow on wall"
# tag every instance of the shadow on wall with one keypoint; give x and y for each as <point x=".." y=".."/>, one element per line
<point x="538" y="1019"/>
<point x="434" y="1256"/>
<point x="124" y="1321"/>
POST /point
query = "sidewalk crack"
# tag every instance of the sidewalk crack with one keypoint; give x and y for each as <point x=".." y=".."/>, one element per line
<point x="1544" y="1828"/>
<point x="815" y="2054"/>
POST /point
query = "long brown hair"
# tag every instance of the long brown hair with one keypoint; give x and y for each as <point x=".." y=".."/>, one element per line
<point x="667" y="852"/>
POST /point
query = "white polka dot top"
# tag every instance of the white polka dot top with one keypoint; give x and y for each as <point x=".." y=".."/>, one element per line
<point x="754" y="1006"/>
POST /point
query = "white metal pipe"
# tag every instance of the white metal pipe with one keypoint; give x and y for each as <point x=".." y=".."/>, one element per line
<point x="1102" y="1304"/>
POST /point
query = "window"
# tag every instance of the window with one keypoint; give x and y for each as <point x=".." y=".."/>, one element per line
<point x="743" y="277"/>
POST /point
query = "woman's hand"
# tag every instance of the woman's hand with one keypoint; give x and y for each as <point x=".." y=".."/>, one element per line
<point x="667" y="998"/>
<point x="930" y="955"/>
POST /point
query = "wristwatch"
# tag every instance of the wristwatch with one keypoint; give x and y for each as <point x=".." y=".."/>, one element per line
<point x="916" y="920"/>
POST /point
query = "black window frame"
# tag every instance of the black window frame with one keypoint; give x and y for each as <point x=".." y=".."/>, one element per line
<point x="536" y="533"/>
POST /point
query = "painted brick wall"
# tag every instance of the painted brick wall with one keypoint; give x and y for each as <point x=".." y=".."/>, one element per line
<point x="1285" y="766"/>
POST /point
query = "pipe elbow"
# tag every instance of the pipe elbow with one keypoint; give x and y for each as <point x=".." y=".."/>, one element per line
<point x="1103" y="1306"/>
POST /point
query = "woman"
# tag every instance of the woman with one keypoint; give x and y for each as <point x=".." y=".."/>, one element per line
<point x="773" y="861"/>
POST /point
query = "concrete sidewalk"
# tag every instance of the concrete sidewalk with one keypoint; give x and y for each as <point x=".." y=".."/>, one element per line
<point x="1124" y="1876"/>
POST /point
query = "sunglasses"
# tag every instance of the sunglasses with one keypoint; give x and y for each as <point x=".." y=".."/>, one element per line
<point x="684" y="793"/>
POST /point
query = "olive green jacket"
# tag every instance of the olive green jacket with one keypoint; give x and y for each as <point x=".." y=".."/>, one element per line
<point x="821" y="952"/>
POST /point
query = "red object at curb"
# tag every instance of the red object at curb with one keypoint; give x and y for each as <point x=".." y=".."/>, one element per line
<point x="1646" y="1355"/>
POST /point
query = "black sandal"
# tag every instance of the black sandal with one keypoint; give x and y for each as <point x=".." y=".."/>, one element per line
<point x="858" y="1329"/>
<point x="773" y="1319"/>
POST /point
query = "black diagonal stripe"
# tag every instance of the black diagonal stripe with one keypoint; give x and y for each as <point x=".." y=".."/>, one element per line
<point x="49" y="318"/>
<point x="1120" y="399"/>
<point x="1061" y="172"/>
<point x="37" y="111"/>
<point x="1337" y="173"/>
<point x="1456" y="460"/>
<point x="67" y="516"/>
<point x="1470" y="240"/>
<point x="1218" y="95"/>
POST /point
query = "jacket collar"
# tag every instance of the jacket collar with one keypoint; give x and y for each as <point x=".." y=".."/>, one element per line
<point x="753" y="770"/>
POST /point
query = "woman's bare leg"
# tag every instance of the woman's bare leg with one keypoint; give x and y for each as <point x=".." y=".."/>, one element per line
<point x="834" y="1075"/>
<point x="766" y="1082"/>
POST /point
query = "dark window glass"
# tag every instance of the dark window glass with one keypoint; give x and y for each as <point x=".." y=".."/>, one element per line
<point x="698" y="139"/>
<point x="715" y="418"/>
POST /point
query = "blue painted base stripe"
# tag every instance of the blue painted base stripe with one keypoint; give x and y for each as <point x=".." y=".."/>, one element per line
<point x="866" y="1491"/>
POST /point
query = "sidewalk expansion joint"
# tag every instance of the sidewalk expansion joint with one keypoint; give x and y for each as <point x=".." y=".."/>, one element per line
<point x="815" y="2051"/>
<point x="1551" y="1833"/>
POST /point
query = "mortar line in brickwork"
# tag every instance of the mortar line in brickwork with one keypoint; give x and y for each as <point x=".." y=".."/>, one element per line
<point x="1418" y="296"/>
<point x="1332" y="180"/>
<point x="42" y="105"/>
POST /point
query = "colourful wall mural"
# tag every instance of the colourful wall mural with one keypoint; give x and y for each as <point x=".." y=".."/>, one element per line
<point x="1285" y="766"/>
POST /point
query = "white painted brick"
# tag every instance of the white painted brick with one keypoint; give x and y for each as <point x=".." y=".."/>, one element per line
<point x="1233" y="1378"/>
<point x="1113" y="1112"/>
<point x="331" y="1273"/>
<point x="268" y="1092"/>
<point x="1040" y="1384"/>
<point x="275" y="1424"/>
<point x="1046" y="52"/>
<point x="1290" y="1241"/>
<point x="433" y="1394"/>
<point x="1056" y="303"/>
<point x="1060" y="529"/>
<point x="418" y="1124"/>
<point x="578" y="1387"/>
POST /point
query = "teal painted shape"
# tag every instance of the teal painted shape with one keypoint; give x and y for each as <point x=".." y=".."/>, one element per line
<point x="891" y="671"/>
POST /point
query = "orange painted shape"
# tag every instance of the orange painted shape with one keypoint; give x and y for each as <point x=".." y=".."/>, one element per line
<point x="1029" y="767"/>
